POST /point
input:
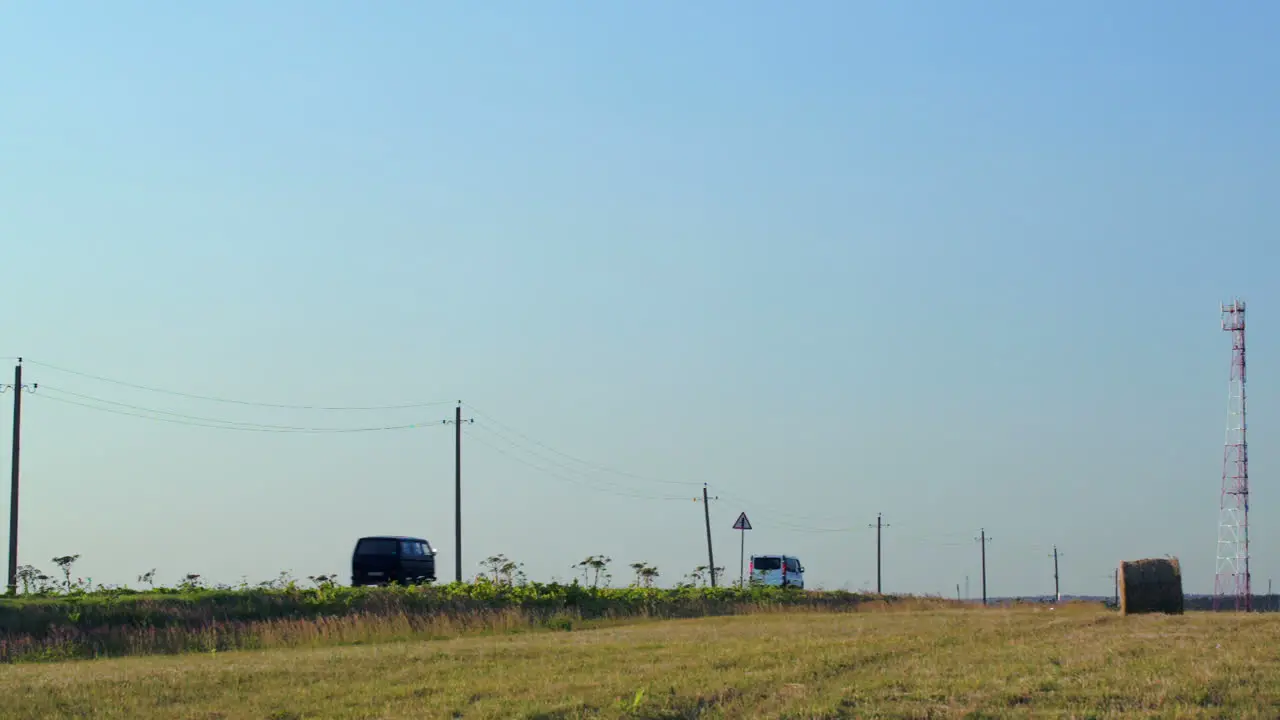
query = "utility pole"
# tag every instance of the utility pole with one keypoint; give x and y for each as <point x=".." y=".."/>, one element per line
<point x="983" y="539"/>
<point x="1057" y="593"/>
<point x="457" y="490"/>
<point x="17" y="387"/>
<point x="711" y="558"/>
<point x="877" y="526"/>
<point x="1117" y="577"/>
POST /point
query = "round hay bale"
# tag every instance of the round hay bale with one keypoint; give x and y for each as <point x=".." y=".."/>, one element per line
<point x="1151" y="585"/>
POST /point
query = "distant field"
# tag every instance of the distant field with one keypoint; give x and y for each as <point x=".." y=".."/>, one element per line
<point x="1074" y="662"/>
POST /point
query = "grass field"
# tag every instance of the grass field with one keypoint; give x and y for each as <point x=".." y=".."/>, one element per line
<point x="110" y="624"/>
<point x="1071" y="662"/>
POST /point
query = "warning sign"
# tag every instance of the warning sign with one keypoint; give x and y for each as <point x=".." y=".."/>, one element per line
<point x="742" y="523"/>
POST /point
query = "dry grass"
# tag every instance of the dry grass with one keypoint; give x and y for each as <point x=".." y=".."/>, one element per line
<point x="106" y="625"/>
<point x="1073" y="662"/>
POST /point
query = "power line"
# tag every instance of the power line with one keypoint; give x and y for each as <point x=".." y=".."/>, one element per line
<point x="803" y="529"/>
<point x="195" y="418"/>
<point x="772" y="510"/>
<point x="233" y="401"/>
<point x="577" y="471"/>
<point x="607" y="489"/>
<point x="574" y="481"/>
<point x="128" y="409"/>
<point x="493" y="425"/>
<point x="934" y="540"/>
<point x="588" y="463"/>
<point x="141" y="412"/>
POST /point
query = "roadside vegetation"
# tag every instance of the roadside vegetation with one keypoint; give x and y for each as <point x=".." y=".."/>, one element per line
<point x="61" y="618"/>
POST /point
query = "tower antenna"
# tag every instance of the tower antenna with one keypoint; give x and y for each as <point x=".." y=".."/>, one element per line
<point x="1231" y="578"/>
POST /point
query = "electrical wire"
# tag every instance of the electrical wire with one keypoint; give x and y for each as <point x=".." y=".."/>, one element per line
<point x="588" y="463"/>
<point x="807" y="525"/>
<point x="498" y="424"/>
<point x="233" y="401"/>
<point x="610" y="490"/>
<point x="773" y="511"/>
<point x="802" y="529"/>
<point x="126" y="409"/>
<point x="551" y="473"/>
<point x="195" y="418"/>
<point x="808" y="520"/>
<point x="533" y="453"/>
<point x="141" y="412"/>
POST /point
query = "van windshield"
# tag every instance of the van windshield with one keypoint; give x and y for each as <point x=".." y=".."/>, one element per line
<point x="768" y="563"/>
<point x="377" y="546"/>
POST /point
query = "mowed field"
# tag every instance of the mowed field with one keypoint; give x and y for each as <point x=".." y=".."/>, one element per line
<point x="1070" y="662"/>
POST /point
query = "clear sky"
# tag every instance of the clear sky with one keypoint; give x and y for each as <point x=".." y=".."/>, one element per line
<point x="959" y="263"/>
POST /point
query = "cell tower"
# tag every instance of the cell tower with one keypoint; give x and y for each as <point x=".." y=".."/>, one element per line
<point x="1232" y="575"/>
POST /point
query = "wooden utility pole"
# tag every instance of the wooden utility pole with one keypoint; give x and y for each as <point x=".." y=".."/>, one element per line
<point x="711" y="558"/>
<point x="983" y="540"/>
<point x="877" y="526"/>
<point x="1057" y="592"/>
<point x="457" y="490"/>
<point x="17" y="388"/>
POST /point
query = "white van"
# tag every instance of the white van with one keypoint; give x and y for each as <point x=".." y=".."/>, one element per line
<point x="777" y="570"/>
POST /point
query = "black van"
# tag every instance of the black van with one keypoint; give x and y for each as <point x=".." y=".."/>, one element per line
<point x="386" y="559"/>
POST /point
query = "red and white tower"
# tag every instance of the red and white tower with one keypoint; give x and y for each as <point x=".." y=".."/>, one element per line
<point x="1231" y="581"/>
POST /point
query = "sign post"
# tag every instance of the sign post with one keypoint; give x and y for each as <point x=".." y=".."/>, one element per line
<point x="742" y="524"/>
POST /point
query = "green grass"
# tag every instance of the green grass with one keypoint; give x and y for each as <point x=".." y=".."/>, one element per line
<point x="113" y="624"/>
<point x="1077" y="662"/>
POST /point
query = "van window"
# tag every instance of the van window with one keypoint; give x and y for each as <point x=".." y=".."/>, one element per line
<point x="793" y="565"/>
<point x="413" y="549"/>
<point x="768" y="563"/>
<point x="376" y="547"/>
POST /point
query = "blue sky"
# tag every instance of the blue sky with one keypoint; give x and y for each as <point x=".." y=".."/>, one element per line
<point x="959" y="263"/>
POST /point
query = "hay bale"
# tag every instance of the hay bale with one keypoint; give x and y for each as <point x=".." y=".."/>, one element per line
<point x="1152" y="585"/>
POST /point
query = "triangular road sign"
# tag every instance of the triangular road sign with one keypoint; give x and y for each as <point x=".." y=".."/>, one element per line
<point x="742" y="523"/>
